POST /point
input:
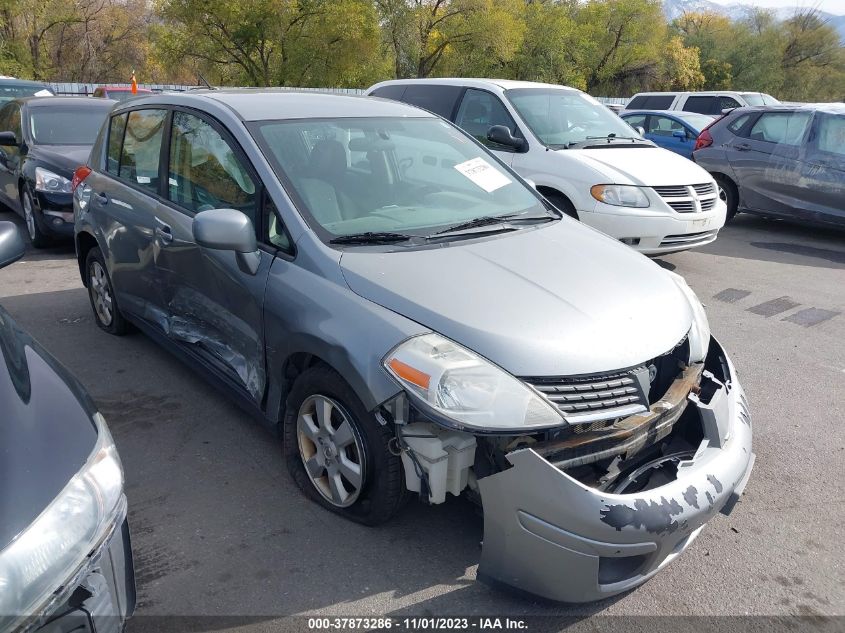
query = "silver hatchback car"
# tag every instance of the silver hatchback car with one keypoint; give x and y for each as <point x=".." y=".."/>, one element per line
<point x="415" y="318"/>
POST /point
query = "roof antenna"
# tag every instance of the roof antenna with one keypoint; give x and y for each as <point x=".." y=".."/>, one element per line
<point x="203" y="81"/>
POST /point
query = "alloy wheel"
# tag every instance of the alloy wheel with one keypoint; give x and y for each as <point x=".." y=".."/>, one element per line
<point x="28" y="216"/>
<point x="331" y="450"/>
<point x="723" y="195"/>
<point x="101" y="296"/>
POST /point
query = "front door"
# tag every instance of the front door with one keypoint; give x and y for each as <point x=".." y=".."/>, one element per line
<point x="215" y="309"/>
<point x="823" y="171"/>
<point x="10" y="157"/>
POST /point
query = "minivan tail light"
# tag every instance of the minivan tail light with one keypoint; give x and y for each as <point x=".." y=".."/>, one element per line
<point x="79" y="175"/>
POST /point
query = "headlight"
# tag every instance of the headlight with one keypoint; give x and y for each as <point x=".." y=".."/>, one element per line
<point x="53" y="547"/>
<point x="46" y="180"/>
<point x="699" y="336"/>
<point x="455" y="383"/>
<point x="620" y="195"/>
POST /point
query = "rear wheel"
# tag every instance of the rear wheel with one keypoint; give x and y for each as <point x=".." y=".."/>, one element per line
<point x="728" y="195"/>
<point x="101" y="294"/>
<point x="337" y="452"/>
<point x="36" y="235"/>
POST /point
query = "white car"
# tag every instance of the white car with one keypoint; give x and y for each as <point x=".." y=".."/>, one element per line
<point x="583" y="158"/>
<point x="703" y="102"/>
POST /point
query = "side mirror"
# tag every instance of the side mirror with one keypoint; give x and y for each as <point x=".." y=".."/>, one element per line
<point x="228" y="230"/>
<point x="681" y="134"/>
<point x="640" y="130"/>
<point x="8" y="139"/>
<point x="11" y="244"/>
<point x="501" y="135"/>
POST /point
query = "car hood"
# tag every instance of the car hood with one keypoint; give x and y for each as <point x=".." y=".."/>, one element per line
<point x="559" y="299"/>
<point x="643" y="166"/>
<point x="62" y="157"/>
<point x="47" y="431"/>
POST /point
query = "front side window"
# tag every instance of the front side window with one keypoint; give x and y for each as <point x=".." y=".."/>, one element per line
<point x="560" y="117"/>
<point x="479" y="111"/>
<point x="65" y="125"/>
<point x="116" y="128"/>
<point x="728" y="103"/>
<point x="785" y="128"/>
<point x="664" y="126"/>
<point x="205" y="173"/>
<point x="440" y="100"/>
<point x="402" y="175"/>
<point x="831" y="134"/>
<point x="139" y="156"/>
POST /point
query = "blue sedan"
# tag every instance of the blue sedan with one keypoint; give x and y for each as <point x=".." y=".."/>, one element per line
<point x="675" y="130"/>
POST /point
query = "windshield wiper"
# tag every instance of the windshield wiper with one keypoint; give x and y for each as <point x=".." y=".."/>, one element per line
<point x="487" y="220"/>
<point x="370" y="237"/>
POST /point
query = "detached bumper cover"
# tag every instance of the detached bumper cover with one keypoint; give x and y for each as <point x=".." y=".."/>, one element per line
<point x="547" y="534"/>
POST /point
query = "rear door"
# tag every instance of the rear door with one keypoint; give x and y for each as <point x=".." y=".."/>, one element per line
<point x="123" y="200"/>
<point x="767" y="162"/>
<point x="214" y="308"/>
<point x="10" y="157"/>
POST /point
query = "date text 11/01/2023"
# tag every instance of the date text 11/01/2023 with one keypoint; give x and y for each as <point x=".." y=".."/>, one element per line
<point x="430" y="623"/>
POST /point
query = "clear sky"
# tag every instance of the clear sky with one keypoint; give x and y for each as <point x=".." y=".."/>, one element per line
<point x="831" y="6"/>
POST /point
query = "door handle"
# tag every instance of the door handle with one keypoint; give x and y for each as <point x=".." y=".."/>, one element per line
<point x="164" y="233"/>
<point x="743" y="147"/>
<point x="101" y="198"/>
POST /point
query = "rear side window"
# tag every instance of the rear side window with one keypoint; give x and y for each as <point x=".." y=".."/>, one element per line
<point x="831" y="136"/>
<point x="738" y="123"/>
<point x="786" y="128"/>
<point x="205" y="172"/>
<point x="637" y="103"/>
<point x="702" y="105"/>
<point x="116" y="129"/>
<point x="437" y="99"/>
<point x="139" y="157"/>
<point x="389" y="92"/>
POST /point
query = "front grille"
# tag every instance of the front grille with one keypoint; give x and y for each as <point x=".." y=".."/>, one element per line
<point x="608" y="395"/>
<point x="689" y="198"/>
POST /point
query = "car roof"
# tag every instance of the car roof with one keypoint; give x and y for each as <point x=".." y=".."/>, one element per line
<point x="834" y="108"/>
<point x="268" y="104"/>
<point x="677" y="114"/>
<point x="46" y="102"/>
<point x="469" y="82"/>
<point x="22" y="82"/>
<point x="703" y="93"/>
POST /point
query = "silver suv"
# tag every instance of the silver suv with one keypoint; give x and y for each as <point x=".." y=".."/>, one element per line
<point x="417" y="319"/>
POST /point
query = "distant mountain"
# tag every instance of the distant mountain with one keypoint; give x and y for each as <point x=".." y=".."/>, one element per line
<point x="675" y="8"/>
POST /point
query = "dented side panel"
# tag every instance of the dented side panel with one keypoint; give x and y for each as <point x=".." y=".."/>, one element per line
<point x="550" y="535"/>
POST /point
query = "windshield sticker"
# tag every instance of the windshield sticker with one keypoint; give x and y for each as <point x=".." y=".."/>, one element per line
<point x="483" y="174"/>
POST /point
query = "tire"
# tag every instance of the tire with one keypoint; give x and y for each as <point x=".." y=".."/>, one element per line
<point x="101" y="294"/>
<point x="38" y="238"/>
<point x="728" y="194"/>
<point x="381" y="488"/>
<point x="562" y="204"/>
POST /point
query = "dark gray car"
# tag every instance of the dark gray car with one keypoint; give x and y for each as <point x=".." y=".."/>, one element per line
<point x="414" y="317"/>
<point x="779" y="161"/>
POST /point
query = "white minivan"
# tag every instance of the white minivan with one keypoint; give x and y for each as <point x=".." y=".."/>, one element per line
<point x="583" y="158"/>
<point x="703" y="102"/>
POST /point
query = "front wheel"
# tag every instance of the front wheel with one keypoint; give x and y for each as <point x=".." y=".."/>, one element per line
<point x="728" y="195"/>
<point x="36" y="235"/>
<point x="101" y="294"/>
<point x="337" y="452"/>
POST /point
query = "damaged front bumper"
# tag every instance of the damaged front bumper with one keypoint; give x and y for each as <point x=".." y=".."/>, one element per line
<point x="548" y="534"/>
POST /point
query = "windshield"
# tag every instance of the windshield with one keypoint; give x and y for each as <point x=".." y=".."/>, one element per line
<point x="562" y="117"/>
<point x="759" y="98"/>
<point x="13" y="91"/>
<point x="399" y="175"/>
<point x="66" y="126"/>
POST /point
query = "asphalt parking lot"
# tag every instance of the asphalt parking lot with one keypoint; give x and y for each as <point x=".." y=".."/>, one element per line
<point x="219" y="529"/>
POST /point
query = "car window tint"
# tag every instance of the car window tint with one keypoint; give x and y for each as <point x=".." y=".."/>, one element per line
<point x="205" y="172"/>
<point x="728" y="103"/>
<point x="702" y="105"/>
<point x="438" y="99"/>
<point x="737" y="124"/>
<point x="116" y="129"/>
<point x="139" y="157"/>
<point x="390" y="92"/>
<point x="659" y="102"/>
<point x="635" y="120"/>
<point x="664" y="126"/>
<point x="831" y="135"/>
<point x="479" y="111"/>
<point x="780" y="127"/>
<point x="637" y="103"/>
